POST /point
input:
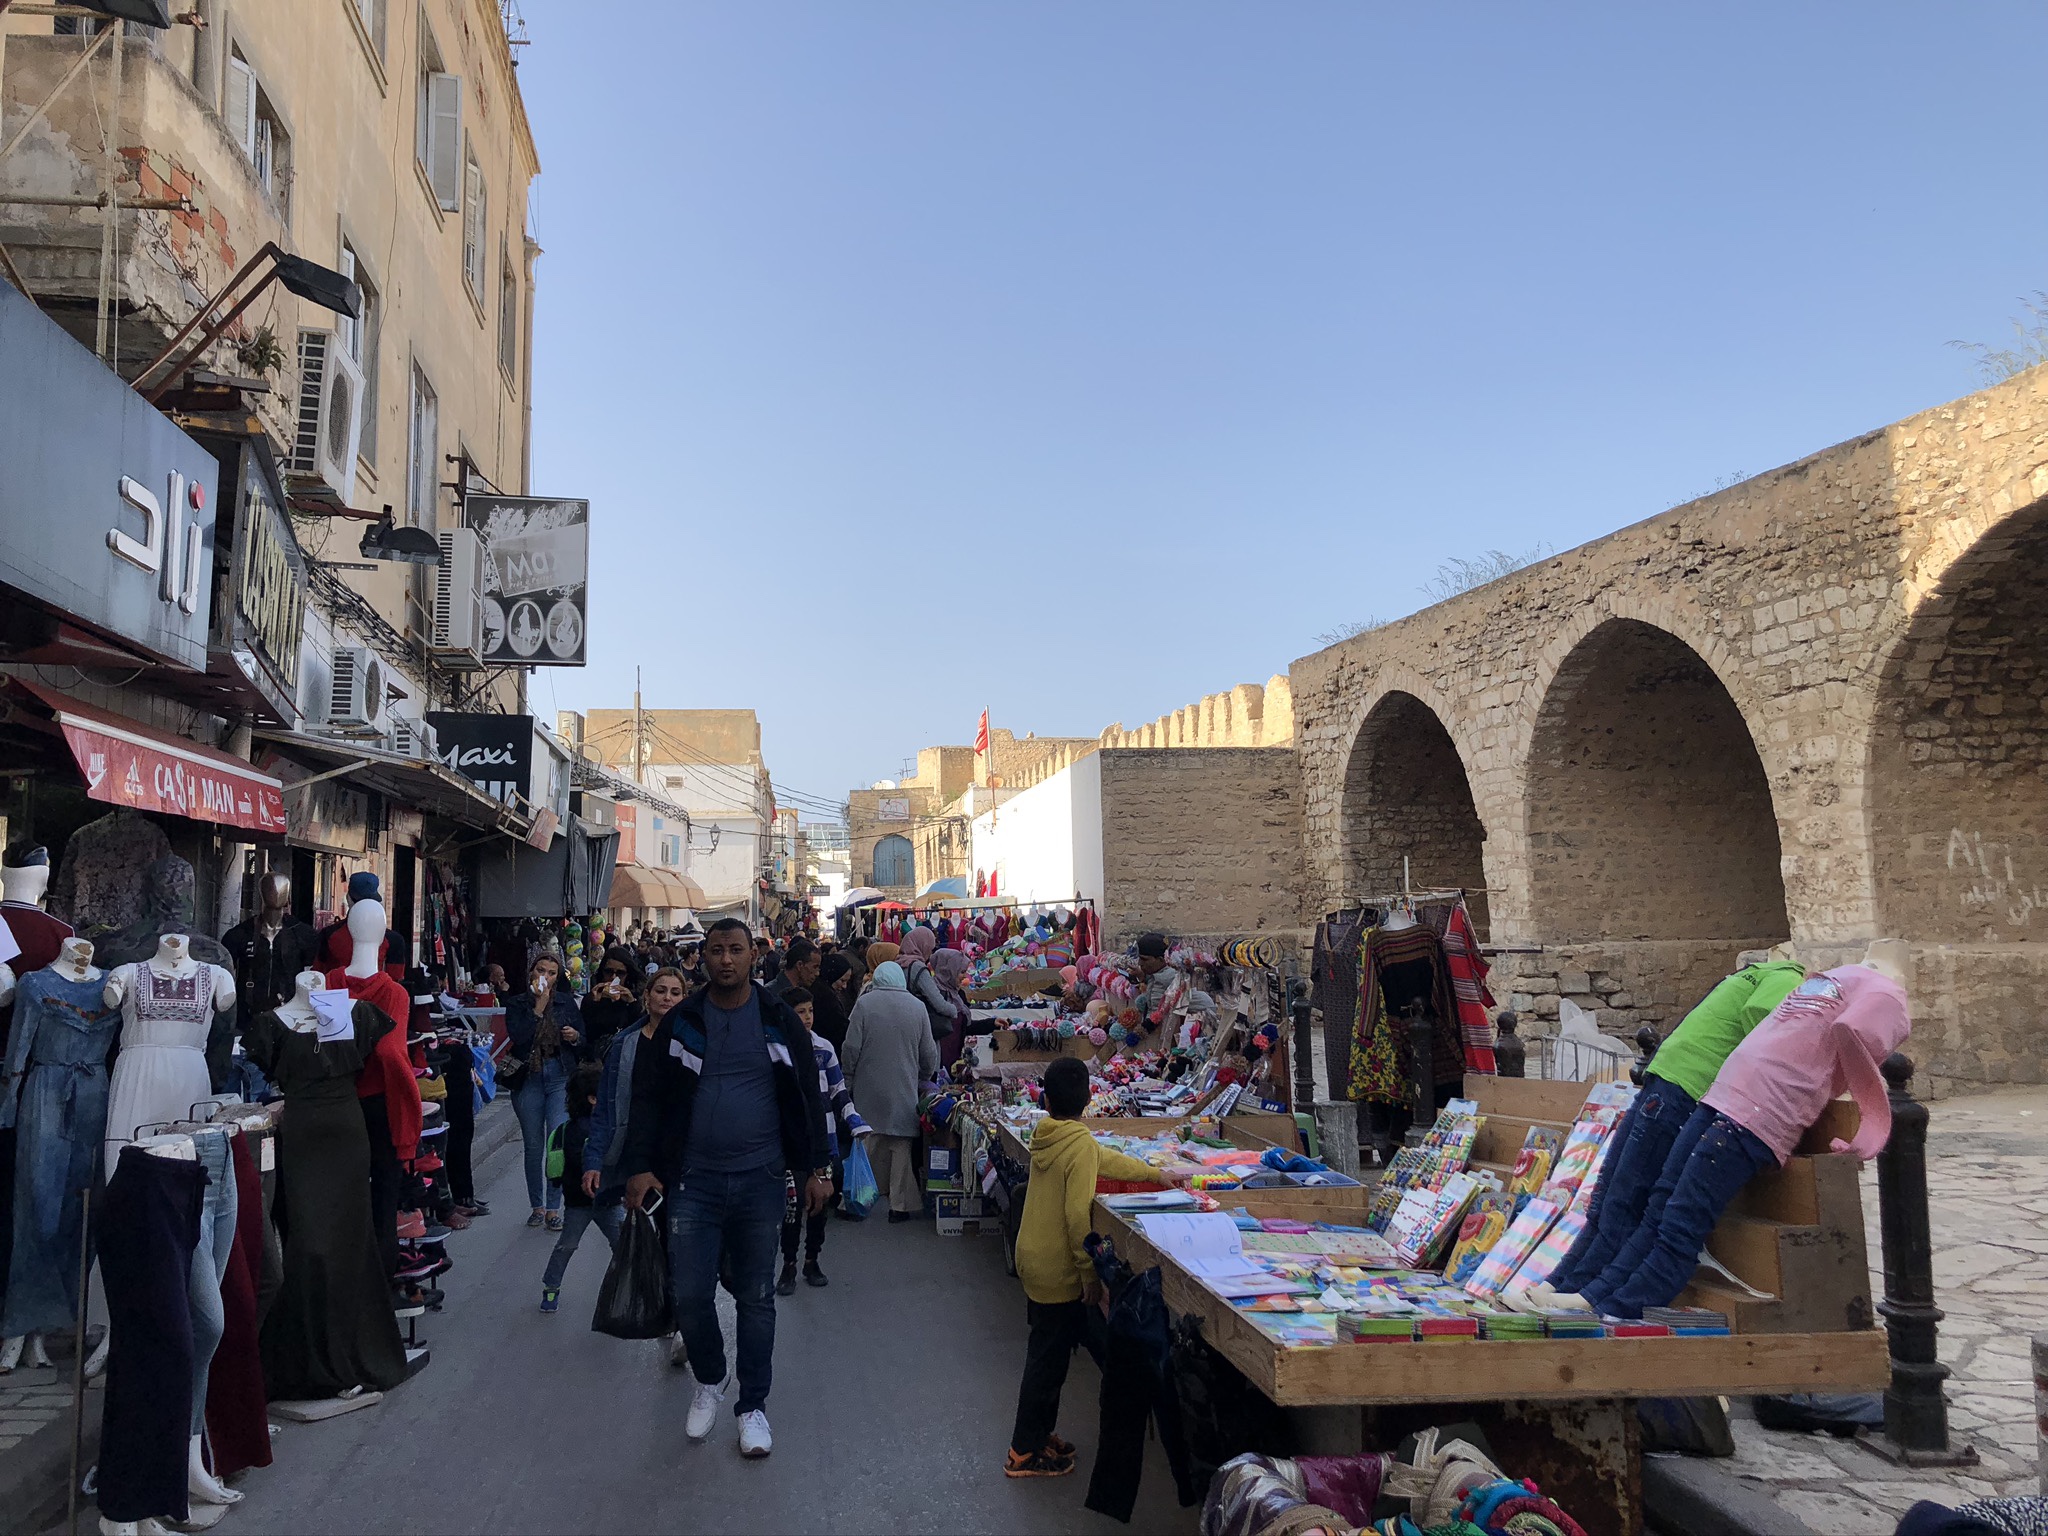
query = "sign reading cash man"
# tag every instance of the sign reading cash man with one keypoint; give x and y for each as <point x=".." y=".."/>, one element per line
<point x="536" y="578"/>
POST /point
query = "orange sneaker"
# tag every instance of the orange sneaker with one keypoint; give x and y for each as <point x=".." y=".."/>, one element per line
<point x="1041" y="1464"/>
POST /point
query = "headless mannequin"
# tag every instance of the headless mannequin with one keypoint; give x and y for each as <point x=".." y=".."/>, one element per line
<point x="296" y="1012"/>
<point x="24" y="880"/>
<point x="73" y="963"/>
<point x="25" y="884"/>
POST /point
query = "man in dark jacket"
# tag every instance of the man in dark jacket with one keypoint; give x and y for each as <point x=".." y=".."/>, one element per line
<point x="731" y="1112"/>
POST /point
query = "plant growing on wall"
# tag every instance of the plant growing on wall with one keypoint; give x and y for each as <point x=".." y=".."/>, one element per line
<point x="260" y="354"/>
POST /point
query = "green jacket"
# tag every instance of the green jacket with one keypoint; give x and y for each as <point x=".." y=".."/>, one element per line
<point x="1691" y="1058"/>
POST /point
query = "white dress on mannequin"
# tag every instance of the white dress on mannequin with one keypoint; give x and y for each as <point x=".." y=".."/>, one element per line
<point x="160" y="1072"/>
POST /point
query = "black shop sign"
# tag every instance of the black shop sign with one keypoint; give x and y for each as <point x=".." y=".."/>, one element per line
<point x="494" y="752"/>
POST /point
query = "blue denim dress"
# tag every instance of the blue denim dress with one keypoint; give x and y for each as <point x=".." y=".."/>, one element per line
<point x="56" y="1097"/>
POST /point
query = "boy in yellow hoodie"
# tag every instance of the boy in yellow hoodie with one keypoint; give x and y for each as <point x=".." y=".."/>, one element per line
<point x="1059" y="1278"/>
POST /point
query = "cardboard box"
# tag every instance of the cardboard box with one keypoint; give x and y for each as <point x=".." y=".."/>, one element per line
<point x="942" y="1165"/>
<point x="968" y="1226"/>
<point x="953" y="1207"/>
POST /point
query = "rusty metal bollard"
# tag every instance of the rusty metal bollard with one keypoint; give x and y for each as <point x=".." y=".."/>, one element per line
<point x="1510" y="1050"/>
<point x="1915" y="1409"/>
<point x="1422" y="1062"/>
<point x="1300" y="1045"/>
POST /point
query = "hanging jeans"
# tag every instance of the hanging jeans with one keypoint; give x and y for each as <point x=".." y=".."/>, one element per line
<point x="729" y="1221"/>
<point x="149" y="1231"/>
<point x="237" y="1419"/>
<point x="1709" y="1164"/>
<point x="541" y="1104"/>
<point x="1137" y="1386"/>
<point x="210" y="1261"/>
<point x="386" y="1180"/>
<point x="1636" y="1154"/>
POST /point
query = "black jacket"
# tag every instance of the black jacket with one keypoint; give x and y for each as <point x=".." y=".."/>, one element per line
<point x="658" y="1127"/>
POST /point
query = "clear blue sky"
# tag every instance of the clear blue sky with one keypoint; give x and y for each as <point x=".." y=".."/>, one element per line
<point x="1078" y="359"/>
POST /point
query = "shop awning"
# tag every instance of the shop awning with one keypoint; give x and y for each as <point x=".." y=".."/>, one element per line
<point x="642" y="889"/>
<point x="427" y="786"/>
<point x="126" y="763"/>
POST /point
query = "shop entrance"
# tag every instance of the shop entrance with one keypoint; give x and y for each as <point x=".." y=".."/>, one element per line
<point x="1406" y="796"/>
<point x="1652" y="832"/>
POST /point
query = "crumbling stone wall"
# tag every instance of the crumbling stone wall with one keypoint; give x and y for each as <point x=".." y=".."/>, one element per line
<point x="1855" y="608"/>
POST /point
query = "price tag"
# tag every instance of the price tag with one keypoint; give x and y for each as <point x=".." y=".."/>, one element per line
<point x="336" y="1010"/>
<point x="266" y="1157"/>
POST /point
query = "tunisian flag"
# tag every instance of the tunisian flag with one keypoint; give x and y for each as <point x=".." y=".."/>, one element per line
<point x="981" y="736"/>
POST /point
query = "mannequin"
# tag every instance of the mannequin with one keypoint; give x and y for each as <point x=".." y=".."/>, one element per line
<point x="1826" y="1038"/>
<point x="266" y="951"/>
<point x="56" y="1091"/>
<point x="331" y="1326"/>
<point x="389" y="1093"/>
<point x="167" y="1005"/>
<point x="24" y="883"/>
<point x="337" y="940"/>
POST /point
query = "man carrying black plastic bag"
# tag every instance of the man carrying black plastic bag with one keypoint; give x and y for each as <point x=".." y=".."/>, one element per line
<point x="718" y="1127"/>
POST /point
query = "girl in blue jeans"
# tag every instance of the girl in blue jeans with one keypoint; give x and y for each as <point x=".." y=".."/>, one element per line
<point x="545" y="1032"/>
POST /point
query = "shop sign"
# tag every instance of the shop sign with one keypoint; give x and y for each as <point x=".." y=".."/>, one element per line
<point x="536" y="579"/>
<point x="106" y="508"/>
<point x="627" y="819"/>
<point x="127" y="770"/>
<point x="327" y="815"/>
<point x="270" y="579"/>
<point x="893" y="808"/>
<point x="494" y="752"/>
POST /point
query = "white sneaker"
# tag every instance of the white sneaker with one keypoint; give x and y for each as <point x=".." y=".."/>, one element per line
<point x="754" y="1437"/>
<point x="703" y="1411"/>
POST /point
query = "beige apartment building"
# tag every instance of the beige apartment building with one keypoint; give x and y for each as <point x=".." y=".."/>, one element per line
<point x="385" y="139"/>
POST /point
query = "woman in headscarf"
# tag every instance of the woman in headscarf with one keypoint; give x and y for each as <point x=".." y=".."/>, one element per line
<point x="949" y="969"/>
<point x="889" y="1052"/>
<point x="919" y="980"/>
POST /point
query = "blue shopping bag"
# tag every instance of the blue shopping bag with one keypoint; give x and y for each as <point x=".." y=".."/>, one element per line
<point x="859" y="1190"/>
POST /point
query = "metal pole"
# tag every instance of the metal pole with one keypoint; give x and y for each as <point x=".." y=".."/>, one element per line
<point x="78" y="1355"/>
<point x="1915" y="1410"/>
<point x="1422" y="1069"/>
<point x="1304" y="1062"/>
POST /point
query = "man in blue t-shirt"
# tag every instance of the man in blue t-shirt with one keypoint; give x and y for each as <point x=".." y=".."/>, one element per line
<point x="731" y="1112"/>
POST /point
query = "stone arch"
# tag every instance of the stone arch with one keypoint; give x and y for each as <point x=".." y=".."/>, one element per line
<point x="1650" y="827"/>
<point x="1407" y="794"/>
<point x="1958" y="800"/>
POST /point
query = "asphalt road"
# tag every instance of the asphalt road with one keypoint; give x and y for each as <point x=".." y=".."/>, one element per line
<point x="894" y="1390"/>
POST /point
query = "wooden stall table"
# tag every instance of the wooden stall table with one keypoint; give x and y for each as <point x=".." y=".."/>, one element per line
<point x="1562" y="1411"/>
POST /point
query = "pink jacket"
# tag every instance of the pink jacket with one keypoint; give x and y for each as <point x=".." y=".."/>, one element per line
<point x="1825" y="1040"/>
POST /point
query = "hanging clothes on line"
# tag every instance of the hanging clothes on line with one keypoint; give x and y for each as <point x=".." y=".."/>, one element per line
<point x="1468" y="970"/>
<point x="1398" y="967"/>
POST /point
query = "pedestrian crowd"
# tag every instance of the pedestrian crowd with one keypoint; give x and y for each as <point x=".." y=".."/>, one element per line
<point x="721" y="1083"/>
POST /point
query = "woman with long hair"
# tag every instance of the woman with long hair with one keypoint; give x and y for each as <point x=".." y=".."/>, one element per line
<point x="547" y="1038"/>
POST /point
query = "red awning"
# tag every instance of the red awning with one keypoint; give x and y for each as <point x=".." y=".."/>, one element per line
<point x="126" y="763"/>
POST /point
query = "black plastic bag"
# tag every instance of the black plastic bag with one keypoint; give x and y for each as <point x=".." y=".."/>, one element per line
<point x="1841" y="1414"/>
<point x="633" y="1302"/>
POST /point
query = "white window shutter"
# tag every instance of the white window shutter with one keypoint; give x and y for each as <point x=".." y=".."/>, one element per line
<point x="444" y="139"/>
<point x="238" y="111"/>
<point x="473" y="229"/>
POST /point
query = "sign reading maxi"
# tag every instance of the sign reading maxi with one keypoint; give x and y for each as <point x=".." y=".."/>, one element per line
<point x="106" y="508"/>
<point x="494" y="752"/>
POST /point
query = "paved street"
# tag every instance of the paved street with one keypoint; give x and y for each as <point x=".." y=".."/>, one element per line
<point x="892" y="1404"/>
<point x="1988" y="1194"/>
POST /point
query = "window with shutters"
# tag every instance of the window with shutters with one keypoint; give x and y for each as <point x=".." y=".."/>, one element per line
<point x="473" y="225"/>
<point x="254" y="122"/>
<point x="508" y="317"/>
<point x="371" y="14"/>
<point x="423" y="454"/>
<point x="360" y="337"/>
<point x="438" y="123"/>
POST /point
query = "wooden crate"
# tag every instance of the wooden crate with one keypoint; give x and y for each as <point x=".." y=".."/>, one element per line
<point x="1486" y="1370"/>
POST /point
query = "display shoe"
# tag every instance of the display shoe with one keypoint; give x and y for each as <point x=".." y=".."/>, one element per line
<point x="814" y="1275"/>
<point x="1040" y="1464"/>
<point x="411" y="1224"/>
<point x="785" y="1284"/>
<point x="703" y="1411"/>
<point x="755" y="1440"/>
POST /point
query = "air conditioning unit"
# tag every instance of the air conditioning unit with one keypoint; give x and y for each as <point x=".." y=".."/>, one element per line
<point x="458" y="639"/>
<point x="330" y="423"/>
<point x="355" y="700"/>
<point x="414" y="738"/>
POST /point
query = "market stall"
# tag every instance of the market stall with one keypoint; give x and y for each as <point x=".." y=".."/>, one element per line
<point x="1421" y="1312"/>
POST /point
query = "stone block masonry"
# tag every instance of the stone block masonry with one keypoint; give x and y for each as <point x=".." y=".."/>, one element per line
<point x="1813" y="705"/>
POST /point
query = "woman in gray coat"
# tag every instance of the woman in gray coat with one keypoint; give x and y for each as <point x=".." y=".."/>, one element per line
<point x="889" y="1052"/>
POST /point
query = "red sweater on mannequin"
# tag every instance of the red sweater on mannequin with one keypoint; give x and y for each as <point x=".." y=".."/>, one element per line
<point x="389" y="1069"/>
